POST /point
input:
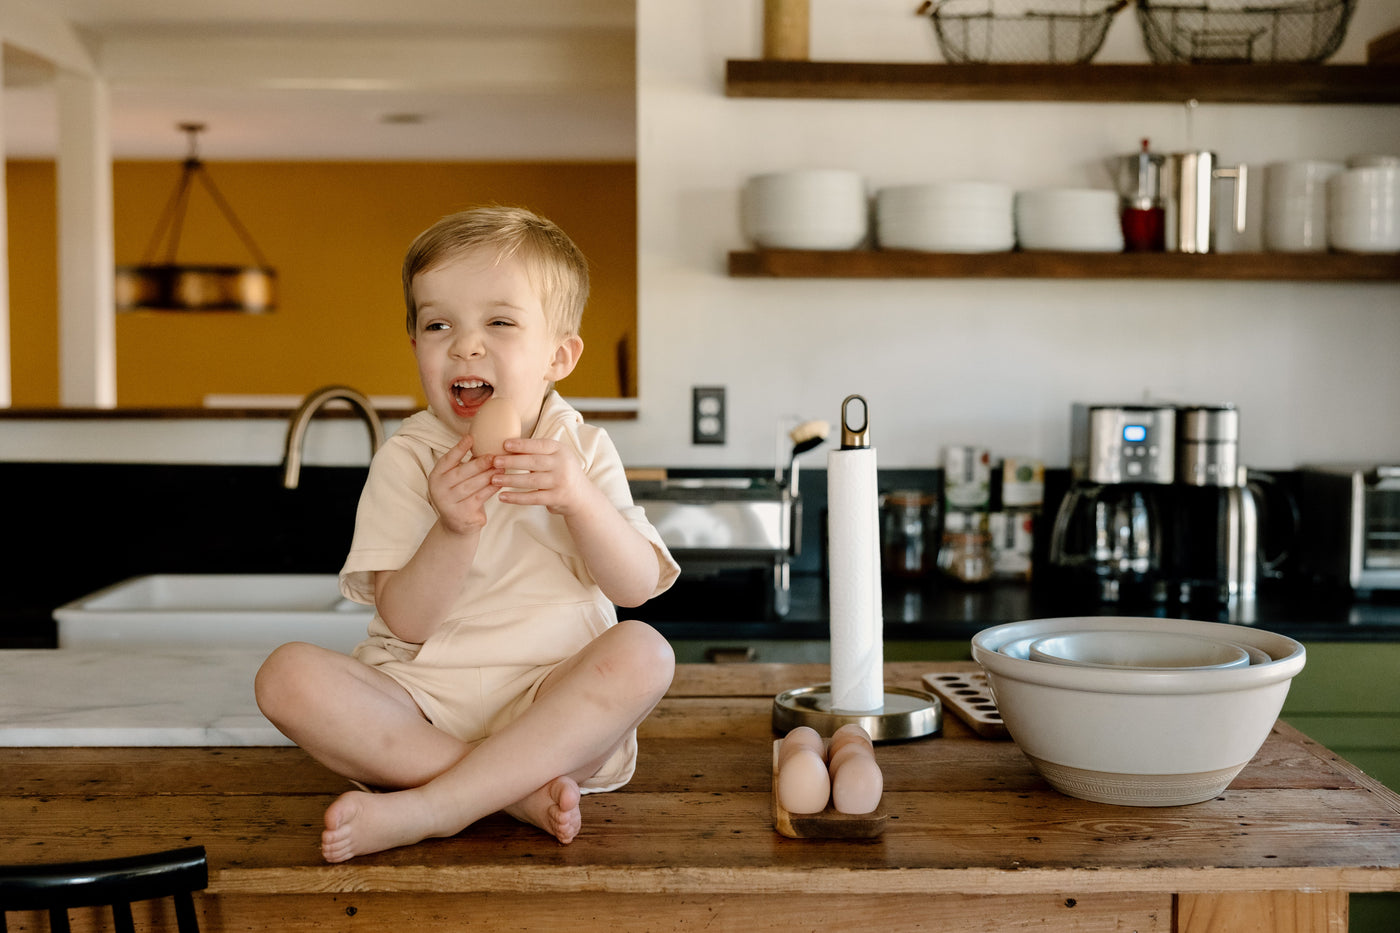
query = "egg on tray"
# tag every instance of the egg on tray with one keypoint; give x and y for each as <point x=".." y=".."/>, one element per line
<point x="804" y="786"/>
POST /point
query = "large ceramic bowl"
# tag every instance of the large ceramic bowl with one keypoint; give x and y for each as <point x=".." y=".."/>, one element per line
<point x="1138" y="737"/>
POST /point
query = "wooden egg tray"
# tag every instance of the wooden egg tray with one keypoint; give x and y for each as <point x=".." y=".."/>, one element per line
<point x="828" y="824"/>
<point x="970" y="699"/>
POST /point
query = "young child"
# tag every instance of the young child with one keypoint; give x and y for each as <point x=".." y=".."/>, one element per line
<point x="495" y="675"/>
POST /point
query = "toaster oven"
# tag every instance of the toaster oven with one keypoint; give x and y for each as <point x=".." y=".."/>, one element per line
<point x="1350" y="524"/>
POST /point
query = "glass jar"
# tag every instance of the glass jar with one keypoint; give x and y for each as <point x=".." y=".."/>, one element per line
<point x="966" y="554"/>
<point x="908" y="534"/>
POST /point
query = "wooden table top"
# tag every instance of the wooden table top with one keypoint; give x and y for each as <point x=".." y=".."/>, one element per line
<point x="968" y="816"/>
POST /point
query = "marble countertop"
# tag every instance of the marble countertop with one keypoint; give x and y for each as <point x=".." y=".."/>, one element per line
<point x="106" y="698"/>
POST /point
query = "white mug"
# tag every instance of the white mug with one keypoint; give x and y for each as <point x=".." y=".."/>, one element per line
<point x="1295" y="205"/>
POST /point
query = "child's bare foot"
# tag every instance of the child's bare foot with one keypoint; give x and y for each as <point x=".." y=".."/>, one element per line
<point x="553" y="808"/>
<point x="358" y="823"/>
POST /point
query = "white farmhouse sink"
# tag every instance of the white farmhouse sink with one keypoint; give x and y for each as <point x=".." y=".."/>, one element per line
<point x="214" y="610"/>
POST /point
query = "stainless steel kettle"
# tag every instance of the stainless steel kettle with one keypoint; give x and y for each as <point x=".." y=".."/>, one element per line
<point x="1239" y="541"/>
<point x="1188" y="189"/>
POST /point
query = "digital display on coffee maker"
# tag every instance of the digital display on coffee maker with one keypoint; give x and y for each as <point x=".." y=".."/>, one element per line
<point x="1134" y="433"/>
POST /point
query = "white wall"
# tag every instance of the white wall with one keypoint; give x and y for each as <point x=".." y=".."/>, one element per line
<point x="1313" y="367"/>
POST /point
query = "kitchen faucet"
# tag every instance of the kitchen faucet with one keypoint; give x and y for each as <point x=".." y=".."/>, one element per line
<point x="301" y="419"/>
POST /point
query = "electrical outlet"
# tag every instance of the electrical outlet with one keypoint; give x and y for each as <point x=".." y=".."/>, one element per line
<point x="707" y="415"/>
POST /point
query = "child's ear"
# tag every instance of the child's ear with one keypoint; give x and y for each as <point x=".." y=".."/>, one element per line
<point x="566" y="357"/>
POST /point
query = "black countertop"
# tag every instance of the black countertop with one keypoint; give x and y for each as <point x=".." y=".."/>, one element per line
<point x="734" y="606"/>
<point x="940" y="611"/>
<point x="76" y="528"/>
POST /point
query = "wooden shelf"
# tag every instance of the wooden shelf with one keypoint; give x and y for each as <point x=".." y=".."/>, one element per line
<point x="898" y="264"/>
<point x="1249" y="84"/>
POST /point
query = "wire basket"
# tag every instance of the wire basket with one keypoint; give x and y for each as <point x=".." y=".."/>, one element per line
<point x="1025" y="31"/>
<point x="1236" y="31"/>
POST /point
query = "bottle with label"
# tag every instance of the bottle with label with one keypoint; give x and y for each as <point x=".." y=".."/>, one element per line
<point x="1022" y="492"/>
<point x="967" y="477"/>
<point x="1013" y="532"/>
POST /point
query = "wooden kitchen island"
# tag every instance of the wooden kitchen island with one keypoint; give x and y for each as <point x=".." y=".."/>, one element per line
<point x="975" y="841"/>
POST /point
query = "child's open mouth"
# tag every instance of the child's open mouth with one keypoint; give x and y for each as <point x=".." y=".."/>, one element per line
<point x="468" y="395"/>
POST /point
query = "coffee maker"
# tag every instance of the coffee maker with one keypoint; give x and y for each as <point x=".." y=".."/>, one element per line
<point x="1108" y="544"/>
<point x="1160" y="510"/>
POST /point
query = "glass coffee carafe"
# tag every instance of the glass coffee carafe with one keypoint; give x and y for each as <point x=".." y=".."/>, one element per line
<point x="1107" y="542"/>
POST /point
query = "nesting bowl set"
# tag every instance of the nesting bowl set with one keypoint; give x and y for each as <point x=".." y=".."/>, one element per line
<point x="1363" y="206"/>
<point x="1071" y="219"/>
<point x="1137" y="711"/>
<point x="946" y="217"/>
<point x="825" y="209"/>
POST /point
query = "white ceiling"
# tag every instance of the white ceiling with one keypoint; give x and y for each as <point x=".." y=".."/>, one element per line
<point x="344" y="79"/>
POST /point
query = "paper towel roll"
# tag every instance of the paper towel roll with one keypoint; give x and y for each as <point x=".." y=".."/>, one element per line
<point x="853" y="546"/>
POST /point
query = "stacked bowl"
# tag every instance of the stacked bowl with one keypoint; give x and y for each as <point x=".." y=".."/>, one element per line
<point x="1363" y="209"/>
<point x="806" y="209"/>
<point x="1072" y="219"/>
<point x="1139" y="712"/>
<point x="946" y="217"/>
<point x="1295" y="205"/>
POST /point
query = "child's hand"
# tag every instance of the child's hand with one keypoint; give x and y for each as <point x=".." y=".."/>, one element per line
<point x="621" y="560"/>
<point x="549" y="474"/>
<point x="459" y="487"/>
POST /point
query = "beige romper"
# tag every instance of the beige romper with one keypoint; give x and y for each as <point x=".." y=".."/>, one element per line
<point x="528" y="604"/>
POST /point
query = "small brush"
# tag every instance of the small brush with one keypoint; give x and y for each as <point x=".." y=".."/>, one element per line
<point x="804" y="437"/>
<point x="808" y="435"/>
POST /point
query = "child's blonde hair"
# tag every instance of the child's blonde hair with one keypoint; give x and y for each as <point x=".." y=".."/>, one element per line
<point x="555" y="265"/>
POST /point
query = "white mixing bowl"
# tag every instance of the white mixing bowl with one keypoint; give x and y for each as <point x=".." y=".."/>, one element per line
<point x="1137" y="649"/>
<point x="1138" y="737"/>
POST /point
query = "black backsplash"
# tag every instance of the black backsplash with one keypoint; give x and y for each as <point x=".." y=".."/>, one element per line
<point x="73" y="528"/>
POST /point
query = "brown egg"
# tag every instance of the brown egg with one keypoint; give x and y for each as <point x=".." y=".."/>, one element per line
<point x="851" y="732"/>
<point x="803" y="783"/>
<point x="495" y="423"/>
<point x="856" y="784"/>
<point x="801" y="737"/>
<point x="846" y="752"/>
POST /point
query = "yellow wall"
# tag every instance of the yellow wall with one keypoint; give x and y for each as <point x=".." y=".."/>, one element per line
<point x="336" y="234"/>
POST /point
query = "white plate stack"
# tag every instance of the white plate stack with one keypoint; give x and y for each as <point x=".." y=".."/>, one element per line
<point x="946" y="217"/>
<point x="1073" y="219"/>
<point x="1363" y="209"/>
<point x="806" y="209"/>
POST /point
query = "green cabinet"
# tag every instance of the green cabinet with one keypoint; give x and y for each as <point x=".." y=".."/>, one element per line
<point x="1348" y="698"/>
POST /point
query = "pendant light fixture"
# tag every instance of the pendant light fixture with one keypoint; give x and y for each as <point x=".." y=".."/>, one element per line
<point x="167" y="285"/>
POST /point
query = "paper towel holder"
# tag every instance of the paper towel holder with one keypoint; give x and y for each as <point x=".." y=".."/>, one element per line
<point x="903" y="714"/>
<point x="853" y="438"/>
<point x="906" y="714"/>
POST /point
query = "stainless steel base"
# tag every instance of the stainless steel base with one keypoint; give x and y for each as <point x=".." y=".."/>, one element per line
<point x="906" y="714"/>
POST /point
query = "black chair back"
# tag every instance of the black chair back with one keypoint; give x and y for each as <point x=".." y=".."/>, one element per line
<point x="116" y="882"/>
